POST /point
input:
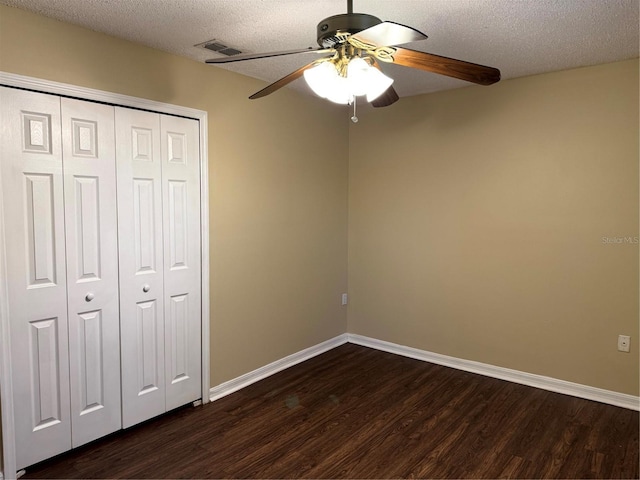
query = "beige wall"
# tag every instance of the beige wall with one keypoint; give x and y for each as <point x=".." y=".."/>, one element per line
<point x="278" y="188"/>
<point x="476" y="219"/>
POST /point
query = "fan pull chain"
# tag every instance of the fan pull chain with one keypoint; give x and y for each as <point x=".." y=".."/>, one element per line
<point x="354" y="119"/>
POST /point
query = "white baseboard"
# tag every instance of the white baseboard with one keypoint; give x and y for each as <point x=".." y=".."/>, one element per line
<point x="539" y="381"/>
<point x="247" y="379"/>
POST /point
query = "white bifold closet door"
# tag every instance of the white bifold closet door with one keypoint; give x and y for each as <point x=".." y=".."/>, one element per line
<point x="89" y="167"/>
<point x="63" y="305"/>
<point x="159" y="237"/>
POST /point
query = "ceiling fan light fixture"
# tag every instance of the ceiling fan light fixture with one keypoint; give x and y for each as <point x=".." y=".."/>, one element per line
<point x="362" y="80"/>
<point x="358" y="76"/>
<point x="326" y="82"/>
<point x="320" y="77"/>
<point x="340" y="92"/>
<point x="378" y="83"/>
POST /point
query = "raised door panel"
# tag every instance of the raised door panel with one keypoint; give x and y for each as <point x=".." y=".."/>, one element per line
<point x="92" y="271"/>
<point x="149" y="349"/>
<point x="43" y="349"/>
<point x="141" y="264"/>
<point x="40" y="222"/>
<point x="32" y="186"/>
<point x="181" y="230"/>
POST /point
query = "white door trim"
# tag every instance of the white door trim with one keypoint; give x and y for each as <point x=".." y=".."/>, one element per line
<point x="63" y="89"/>
<point x="6" y="390"/>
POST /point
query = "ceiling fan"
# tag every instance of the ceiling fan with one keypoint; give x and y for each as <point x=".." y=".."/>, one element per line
<point x="352" y="46"/>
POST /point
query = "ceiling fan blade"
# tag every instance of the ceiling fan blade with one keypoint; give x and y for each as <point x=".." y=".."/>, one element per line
<point x="389" y="97"/>
<point x="471" y="72"/>
<point x="387" y="34"/>
<point x="282" y="82"/>
<point x="253" y="56"/>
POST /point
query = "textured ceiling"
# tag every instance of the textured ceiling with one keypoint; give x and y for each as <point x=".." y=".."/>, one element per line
<point x="520" y="37"/>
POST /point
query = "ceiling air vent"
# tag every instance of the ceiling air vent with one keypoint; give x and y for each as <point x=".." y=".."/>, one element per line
<point x="219" y="47"/>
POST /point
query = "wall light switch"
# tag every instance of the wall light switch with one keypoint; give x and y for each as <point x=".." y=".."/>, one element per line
<point x="344" y="299"/>
<point x="623" y="343"/>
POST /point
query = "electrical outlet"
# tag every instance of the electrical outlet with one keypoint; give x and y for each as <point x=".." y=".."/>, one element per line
<point x="623" y="343"/>
<point x="344" y="299"/>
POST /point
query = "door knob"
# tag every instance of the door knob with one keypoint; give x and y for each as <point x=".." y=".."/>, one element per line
<point x="146" y="288"/>
<point x="90" y="296"/>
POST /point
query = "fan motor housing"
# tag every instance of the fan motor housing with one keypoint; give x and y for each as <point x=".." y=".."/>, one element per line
<point x="333" y="30"/>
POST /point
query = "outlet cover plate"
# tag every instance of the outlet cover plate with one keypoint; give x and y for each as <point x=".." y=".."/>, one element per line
<point x="623" y="343"/>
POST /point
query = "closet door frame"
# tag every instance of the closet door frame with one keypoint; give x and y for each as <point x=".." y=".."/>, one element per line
<point x="67" y="90"/>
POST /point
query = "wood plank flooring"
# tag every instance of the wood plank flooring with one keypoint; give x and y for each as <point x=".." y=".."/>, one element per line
<point x="354" y="412"/>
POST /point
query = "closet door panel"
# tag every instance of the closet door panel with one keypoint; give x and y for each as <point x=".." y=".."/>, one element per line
<point x="182" y="271"/>
<point x="32" y="189"/>
<point x="141" y="264"/>
<point x="92" y="271"/>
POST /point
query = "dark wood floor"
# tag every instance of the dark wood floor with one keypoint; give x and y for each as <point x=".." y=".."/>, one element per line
<point x="354" y="412"/>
